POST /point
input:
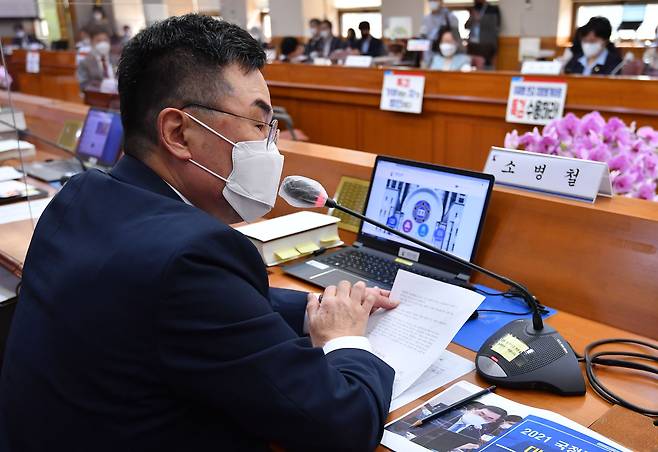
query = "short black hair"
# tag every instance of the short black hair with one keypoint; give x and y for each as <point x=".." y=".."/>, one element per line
<point x="600" y="26"/>
<point x="314" y="21"/>
<point x="365" y="25"/>
<point x="177" y="61"/>
<point x="327" y="22"/>
<point x="288" y="45"/>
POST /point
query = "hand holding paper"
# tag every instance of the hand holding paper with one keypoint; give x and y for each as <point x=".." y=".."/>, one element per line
<point x="411" y="337"/>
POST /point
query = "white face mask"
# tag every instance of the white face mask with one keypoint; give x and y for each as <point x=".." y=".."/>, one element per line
<point x="252" y="186"/>
<point x="20" y="34"/>
<point x="433" y="5"/>
<point x="103" y="48"/>
<point x="98" y="16"/>
<point x="448" y="49"/>
<point x="591" y="49"/>
<point x="473" y="419"/>
<point x="325" y="34"/>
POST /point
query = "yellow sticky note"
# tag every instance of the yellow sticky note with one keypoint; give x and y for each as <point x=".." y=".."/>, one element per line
<point x="329" y="240"/>
<point x="509" y="347"/>
<point x="399" y="260"/>
<point x="306" y="248"/>
<point x="286" y="254"/>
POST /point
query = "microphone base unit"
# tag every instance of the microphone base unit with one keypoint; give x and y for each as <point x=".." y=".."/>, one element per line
<point x="519" y="357"/>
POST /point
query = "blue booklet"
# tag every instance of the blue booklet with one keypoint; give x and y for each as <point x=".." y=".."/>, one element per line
<point x="535" y="434"/>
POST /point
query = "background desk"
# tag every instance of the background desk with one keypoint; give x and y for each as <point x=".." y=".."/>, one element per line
<point x="463" y="113"/>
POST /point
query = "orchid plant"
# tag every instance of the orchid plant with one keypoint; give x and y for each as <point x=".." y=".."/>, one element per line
<point x="631" y="154"/>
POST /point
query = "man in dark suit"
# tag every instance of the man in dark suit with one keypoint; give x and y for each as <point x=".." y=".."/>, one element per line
<point x="484" y="25"/>
<point x="145" y="322"/>
<point x="369" y="45"/>
<point x="327" y="43"/>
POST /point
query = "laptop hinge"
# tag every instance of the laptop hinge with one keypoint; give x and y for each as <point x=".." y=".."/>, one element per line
<point x="463" y="277"/>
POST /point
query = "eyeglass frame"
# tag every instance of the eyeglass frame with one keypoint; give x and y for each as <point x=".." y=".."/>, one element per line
<point x="272" y="135"/>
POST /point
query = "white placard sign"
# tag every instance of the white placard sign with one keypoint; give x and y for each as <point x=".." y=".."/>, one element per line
<point x="541" y="67"/>
<point x="402" y="91"/>
<point x="577" y="179"/>
<point x="32" y="62"/>
<point x="358" y="61"/>
<point x="536" y="101"/>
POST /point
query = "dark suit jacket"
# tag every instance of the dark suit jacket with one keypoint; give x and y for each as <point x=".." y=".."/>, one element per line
<point x="336" y="43"/>
<point x="612" y="61"/>
<point x="144" y="324"/>
<point x="375" y="49"/>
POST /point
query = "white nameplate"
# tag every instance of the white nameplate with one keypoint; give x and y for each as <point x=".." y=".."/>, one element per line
<point x="402" y="91"/>
<point x="358" y="61"/>
<point x="577" y="179"/>
<point x="541" y="67"/>
<point x="319" y="61"/>
<point x="535" y="100"/>
<point x="32" y="62"/>
<point x="418" y="45"/>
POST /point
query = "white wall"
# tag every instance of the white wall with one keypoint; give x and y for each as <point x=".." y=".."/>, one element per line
<point x="129" y="13"/>
<point x="536" y="18"/>
<point x="234" y="11"/>
<point x="287" y="17"/>
<point x="404" y="8"/>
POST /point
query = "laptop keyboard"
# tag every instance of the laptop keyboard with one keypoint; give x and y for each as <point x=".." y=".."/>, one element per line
<point x="373" y="267"/>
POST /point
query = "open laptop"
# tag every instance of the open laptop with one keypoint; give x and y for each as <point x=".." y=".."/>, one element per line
<point x="442" y="206"/>
<point x="99" y="147"/>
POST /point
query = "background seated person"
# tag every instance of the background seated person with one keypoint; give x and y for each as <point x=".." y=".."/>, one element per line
<point x="97" y="65"/>
<point x="650" y="58"/>
<point x="351" y="40"/>
<point x="25" y="40"/>
<point x="291" y="50"/>
<point x="369" y="45"/>
<point x="599" y="56"/>
<point x="449" y="53"/>
<point x="328" y="43"/>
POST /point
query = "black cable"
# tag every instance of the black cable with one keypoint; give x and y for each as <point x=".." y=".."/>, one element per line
<point x="602" y="358"/>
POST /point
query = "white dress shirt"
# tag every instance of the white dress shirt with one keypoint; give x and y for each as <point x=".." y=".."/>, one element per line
<point x="360" y="342"/>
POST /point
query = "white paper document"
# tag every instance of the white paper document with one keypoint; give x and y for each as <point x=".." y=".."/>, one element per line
<point x="412" y="337"/>
<point x="449" y="367"/>
<point x="20" y="211"/>
<point x="9" y="173"/>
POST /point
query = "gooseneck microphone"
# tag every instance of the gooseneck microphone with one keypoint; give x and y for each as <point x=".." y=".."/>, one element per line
<point x="302" y="192"/>
<point x="521" y="354"/>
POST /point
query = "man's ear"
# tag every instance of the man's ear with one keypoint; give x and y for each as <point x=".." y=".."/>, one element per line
<point x="172" y="125"/>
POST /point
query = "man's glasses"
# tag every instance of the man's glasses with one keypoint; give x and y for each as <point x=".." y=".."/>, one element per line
<point x="272" y="134"/>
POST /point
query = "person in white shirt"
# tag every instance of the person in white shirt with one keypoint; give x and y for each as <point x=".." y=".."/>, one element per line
<point x="438" y="18"/>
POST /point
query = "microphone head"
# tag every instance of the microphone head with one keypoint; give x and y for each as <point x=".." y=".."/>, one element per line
<point x="302" y="192"/>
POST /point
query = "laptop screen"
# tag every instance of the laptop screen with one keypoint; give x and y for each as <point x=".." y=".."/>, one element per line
<point x="101" y="137"/>
<point x="443" y="207"/>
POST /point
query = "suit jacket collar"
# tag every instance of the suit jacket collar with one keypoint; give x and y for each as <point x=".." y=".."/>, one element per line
<point x="135" y="172"/>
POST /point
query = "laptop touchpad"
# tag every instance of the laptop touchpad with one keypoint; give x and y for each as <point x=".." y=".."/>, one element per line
<point x="335" y="276"/>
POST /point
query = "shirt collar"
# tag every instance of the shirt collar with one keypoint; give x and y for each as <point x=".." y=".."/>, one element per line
<point x="600" y="61"/>
<point x="185" y="200"/>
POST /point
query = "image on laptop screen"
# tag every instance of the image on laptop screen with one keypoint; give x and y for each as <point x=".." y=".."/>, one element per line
<point x="102" y="136"/>
<point x="441" y="208"/>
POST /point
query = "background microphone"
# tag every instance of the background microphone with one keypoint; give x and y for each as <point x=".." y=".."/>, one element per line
<point x="303" y="192"/>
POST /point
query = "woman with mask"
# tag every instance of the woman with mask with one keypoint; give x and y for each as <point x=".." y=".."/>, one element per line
<point x="449" y="53"/>
<point x="599" y="56"/>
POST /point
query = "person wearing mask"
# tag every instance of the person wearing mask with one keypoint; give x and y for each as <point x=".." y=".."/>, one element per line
<point x="97" y="65"/>
<point x="439" y="17"/>
<point x="145" y="321"/>
<point x="351" y="39"/>
<point x="25" y="40"/>
<point x="99" y="21"/>
<point x="127" y="34"/>
<point x="313" y="36"/>
<point x="484" y="26"/>
<point x="290" y="50"/>
<point x="449" y="53"/>
<point x="650" y="58"/>
<point x="368" y="44"/>
<point x="599" y="55"/>
<point x="327" y="43"/>
<point x="84" y="43"/>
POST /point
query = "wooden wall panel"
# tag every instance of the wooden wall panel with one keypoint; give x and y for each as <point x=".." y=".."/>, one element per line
<point x="463" y="113"/>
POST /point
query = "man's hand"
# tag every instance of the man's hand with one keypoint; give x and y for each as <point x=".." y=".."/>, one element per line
<point x="382" y="299"/>
<point x="344" y="311"/>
